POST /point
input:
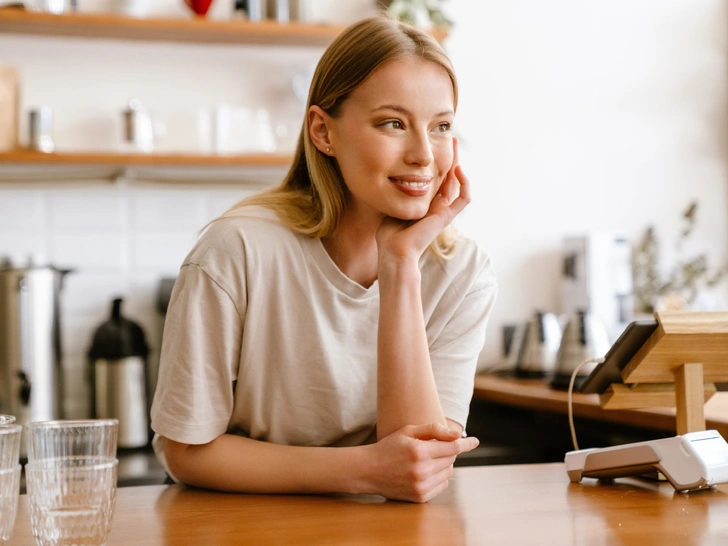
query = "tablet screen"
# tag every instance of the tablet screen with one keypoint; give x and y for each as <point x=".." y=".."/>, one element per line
<point x="618" y="356"/>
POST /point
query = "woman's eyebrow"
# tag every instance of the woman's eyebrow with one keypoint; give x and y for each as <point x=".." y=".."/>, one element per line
<point x="406" y="112"/>
<point x="394" y="107"/>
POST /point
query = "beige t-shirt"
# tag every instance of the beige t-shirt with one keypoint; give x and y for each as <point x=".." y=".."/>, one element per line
<point x="265" y="337"/>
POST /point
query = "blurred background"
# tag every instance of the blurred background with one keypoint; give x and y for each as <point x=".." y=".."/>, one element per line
<point x="593" y="134"/>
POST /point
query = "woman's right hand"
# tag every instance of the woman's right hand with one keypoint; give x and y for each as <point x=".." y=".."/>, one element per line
<point x="415" y="463"/>
<point x="403" y="239"/>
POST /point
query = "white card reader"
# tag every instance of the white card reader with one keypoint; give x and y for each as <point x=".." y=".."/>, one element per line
<point x="692" y="461"/>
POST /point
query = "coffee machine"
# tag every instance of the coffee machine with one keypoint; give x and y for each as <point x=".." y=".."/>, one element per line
<point x="597" y="279"/>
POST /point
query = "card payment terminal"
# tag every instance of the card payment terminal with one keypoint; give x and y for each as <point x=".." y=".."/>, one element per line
<point x="692" y="461"/>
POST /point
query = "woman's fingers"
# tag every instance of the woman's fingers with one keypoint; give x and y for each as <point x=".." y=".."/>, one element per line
<point x="415" y="462"/>
<point x="442" y="475"/>
<point x="438" y="450"/>
<point x="455" y="190"/>
<point x="454" y="196"/>
<point x="434" y="431"/>
<point x="449" y="443"/>
<point x="449" y="182"/>
<point x="464" y="196"/>
<point x="455" y="156"/>
<point x="435" y="484"/>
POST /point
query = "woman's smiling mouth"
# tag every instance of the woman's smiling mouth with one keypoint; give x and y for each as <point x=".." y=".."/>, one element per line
<point x="414" y="186"/>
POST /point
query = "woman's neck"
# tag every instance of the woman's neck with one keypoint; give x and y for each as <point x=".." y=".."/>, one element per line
<point x="353" y="248"/>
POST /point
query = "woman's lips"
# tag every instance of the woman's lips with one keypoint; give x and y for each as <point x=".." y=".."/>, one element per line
<point x="414" y="186"/>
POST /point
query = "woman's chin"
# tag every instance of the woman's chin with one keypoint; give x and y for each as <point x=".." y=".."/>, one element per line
<point x="410" y="214"/>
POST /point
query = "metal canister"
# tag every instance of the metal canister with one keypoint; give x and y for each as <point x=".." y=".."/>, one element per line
<point x="280" y="11"/>
<point x="41" y="130"/>
<point x="30" y="341"/>
<point x="257" y="10"/>
<point x="138" y="128"/>
<point x="301" y="11"/>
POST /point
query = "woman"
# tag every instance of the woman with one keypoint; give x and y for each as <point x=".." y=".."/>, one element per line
<point x="322" y="336"/>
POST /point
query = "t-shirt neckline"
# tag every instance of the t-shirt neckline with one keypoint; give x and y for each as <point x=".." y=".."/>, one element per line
<point x="334" y="275"/>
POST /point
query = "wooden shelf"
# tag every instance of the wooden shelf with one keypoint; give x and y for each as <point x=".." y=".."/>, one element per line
<point x="130" y="160"/>
<point x="196" y="30"/>
<point x="29" y="166"/>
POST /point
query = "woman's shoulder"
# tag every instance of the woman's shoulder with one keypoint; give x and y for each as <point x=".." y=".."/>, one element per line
<point x="245" y="219"/>
<point x="468" y="250"/>
<point x="247" y="227"/>
<point x="468" y="264"/>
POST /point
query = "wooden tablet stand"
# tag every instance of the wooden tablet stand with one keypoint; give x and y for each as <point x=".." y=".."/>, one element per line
<point x="676" y="367"/>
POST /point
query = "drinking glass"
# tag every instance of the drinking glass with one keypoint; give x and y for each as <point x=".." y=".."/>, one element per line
<point x="9" y="446"/>
<point x="71" y="480"/>
<point x="71" y="499"/>
<point x="9" y="493"/>
<point x="80" y="438"/>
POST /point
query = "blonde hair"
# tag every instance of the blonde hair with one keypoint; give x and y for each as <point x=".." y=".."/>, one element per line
<point x="311" y="198"/>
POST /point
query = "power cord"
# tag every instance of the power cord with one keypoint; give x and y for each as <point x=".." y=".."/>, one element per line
<point x="569" y="397"/>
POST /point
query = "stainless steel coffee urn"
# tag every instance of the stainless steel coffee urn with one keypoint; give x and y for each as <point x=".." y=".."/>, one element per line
<point x="30" y="341"/>
<point x="118" y="360"/>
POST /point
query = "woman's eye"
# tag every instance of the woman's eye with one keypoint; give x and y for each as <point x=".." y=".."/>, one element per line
<point x="443" y="128"/>
<point x="394" y="124"/>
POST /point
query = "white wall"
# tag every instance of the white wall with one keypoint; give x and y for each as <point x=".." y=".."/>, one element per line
<point x="573" y="117"/>
<point x="582" y="116"/>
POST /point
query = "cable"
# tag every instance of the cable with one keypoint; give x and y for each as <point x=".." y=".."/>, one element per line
<point x="571" y="388"/>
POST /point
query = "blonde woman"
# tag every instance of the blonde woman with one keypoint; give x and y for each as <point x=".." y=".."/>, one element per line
<point x="322" y="336"/>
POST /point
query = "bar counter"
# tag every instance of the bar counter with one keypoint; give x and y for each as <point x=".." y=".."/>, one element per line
<point x="516" y="504"/>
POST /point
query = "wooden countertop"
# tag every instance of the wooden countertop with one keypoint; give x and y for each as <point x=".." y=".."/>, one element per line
<point x="536" y="394"/>
<point x="517" y="504"/>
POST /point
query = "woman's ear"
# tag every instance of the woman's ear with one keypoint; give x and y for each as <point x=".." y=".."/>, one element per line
<point x="319" y="125"/>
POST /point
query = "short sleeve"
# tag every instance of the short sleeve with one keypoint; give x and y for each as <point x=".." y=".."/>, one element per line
<point x="199" y="360"/>
<point x="454" y="353"/>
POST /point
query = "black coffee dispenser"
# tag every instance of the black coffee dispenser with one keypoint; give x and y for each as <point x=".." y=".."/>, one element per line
<point x="118" y="362"/>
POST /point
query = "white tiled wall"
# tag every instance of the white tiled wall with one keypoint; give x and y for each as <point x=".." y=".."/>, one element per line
<point x="119" y="240"/>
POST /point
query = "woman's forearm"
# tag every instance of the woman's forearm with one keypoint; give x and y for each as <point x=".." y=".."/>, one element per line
<point x="237" y="464"/>
<point x="413" y="464"/>
<point x="406" y="391"/>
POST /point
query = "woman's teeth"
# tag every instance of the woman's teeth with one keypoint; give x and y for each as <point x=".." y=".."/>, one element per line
<point x="412" y="184"/>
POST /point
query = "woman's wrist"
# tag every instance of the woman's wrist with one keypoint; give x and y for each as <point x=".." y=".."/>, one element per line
<point x="355" y="470"/>
<point x="398" y="268"/>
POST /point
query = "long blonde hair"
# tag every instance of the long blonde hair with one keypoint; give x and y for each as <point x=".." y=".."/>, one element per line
<point x="311" y="198"/>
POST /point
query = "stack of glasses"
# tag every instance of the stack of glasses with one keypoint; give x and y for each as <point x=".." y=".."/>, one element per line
<point x="71" y="480"/>
<point x="9" y="474"/>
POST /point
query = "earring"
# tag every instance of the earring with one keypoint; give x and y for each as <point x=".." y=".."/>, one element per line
<point x="328" y="150"/>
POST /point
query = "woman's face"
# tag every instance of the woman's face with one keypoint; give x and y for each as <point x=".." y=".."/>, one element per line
<point x="392" y="140"/>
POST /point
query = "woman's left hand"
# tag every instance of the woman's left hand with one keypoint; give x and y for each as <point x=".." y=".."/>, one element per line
<point x="409" y="239"/>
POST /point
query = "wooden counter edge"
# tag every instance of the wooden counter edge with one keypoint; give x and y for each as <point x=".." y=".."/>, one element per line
<point x="536" y="394"/>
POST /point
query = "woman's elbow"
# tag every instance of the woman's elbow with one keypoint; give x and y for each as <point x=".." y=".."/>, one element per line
<point x="197" y="465"/>
<point x="177" y="457"/>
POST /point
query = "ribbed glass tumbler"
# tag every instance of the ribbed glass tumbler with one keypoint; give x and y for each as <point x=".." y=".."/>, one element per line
<point x="71" y="500"/>
<point x="9" y="493"/>
<point x="80" y="438"/>
<point x="9" y="474"/>
<point x="10" y="436"/>
<point x="71" y="480"/>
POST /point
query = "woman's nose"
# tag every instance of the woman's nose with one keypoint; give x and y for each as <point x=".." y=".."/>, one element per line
<point x="419" y="150"/>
